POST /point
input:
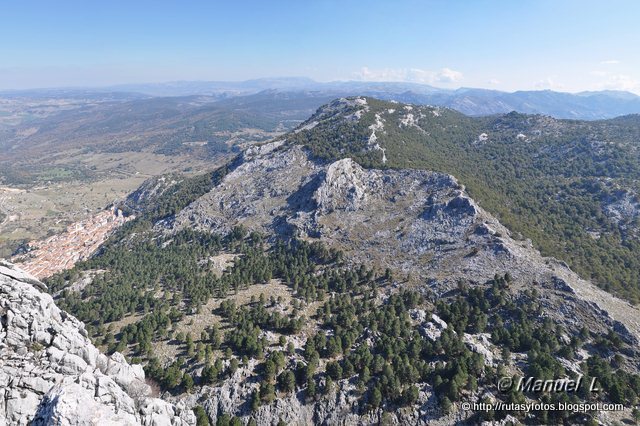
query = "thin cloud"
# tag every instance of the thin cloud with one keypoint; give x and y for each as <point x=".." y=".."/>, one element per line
<point x="610" y="62"/>
<point x="548" y="83"/>
<point x="620" y="82"/>
<point x="447" y="75"/>
<point x="410" y="75"/>
<point x="608" y="80"/>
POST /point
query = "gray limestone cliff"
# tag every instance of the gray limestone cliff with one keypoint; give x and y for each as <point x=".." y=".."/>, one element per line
<point x="51" y="373"/>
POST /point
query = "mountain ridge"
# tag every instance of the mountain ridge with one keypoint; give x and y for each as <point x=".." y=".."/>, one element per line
<point x="587" y="105"/>
<point x="344" y="186"/>
<point x="510" y="164"/>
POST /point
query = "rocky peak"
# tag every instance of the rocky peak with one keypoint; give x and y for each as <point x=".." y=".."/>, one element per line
<point x="343" y="187"/>
<point x="340" y="111"/>
<point x="351" y="108"/>
<point x="51" y="373"/>
<point x="148" y="193"/>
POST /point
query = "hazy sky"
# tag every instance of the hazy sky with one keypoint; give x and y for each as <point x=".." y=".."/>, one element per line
<point x="567" y="45"/>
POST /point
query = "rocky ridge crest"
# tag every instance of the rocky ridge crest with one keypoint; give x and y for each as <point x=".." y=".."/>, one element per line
<point x="417" y="222"/>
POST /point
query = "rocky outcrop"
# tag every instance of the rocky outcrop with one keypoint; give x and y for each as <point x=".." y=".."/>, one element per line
<point x="342" y="407"/>
<point x="143" y="198"/>
<point x="51" y="373"/>
<point x="344" y="187"/>
<point x="622" y="207"/>
<point x="421" y="224"/>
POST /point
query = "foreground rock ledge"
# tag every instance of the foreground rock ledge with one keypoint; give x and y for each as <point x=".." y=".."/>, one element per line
<point x="51" y="373"/>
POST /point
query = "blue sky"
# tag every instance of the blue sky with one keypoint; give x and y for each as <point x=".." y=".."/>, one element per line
<point x="566" y="45"/>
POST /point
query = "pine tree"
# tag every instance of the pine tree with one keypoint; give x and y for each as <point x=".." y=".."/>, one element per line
<point x="201" y="416"/>
<point x="255" y="401"/>
<point x="311" y="389"/>
<point x="445" y="405"/>
<point x="287" y="381"/>
<point x="376" y="397"/>
<point x="267" y="392"/>
<point x="187" y="382"/>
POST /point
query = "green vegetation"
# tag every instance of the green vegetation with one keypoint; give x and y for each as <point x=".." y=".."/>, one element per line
<point x="176" y="266"/>
<point x="201" y="416"/>
<point x="338" y="139"/>
<point x="28" y="174"/>
<point x="378" y="346"/>
<point x="174" y="198"/>
<point x="545" y="179"/>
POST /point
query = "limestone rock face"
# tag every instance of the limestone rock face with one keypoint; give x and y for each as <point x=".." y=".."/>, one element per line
<point x="144" y="197"/>
<point x="340" y="408"/>
<point x="69" y="402"/>
<point x="344" y="187"/>
<point x="50" y="372"/>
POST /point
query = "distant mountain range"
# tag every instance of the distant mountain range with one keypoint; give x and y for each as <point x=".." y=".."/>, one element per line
<point x="584" y="105"/>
